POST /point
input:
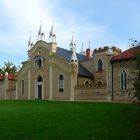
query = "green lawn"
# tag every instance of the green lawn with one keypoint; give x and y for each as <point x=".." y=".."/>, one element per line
<point x="46" y="120"/>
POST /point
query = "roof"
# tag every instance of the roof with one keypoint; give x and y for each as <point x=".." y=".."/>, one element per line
<point x="9" y="77"/>
<point x="82" y="71"/>
<point x="66" y="54"/>
<point x="128" y="54"/>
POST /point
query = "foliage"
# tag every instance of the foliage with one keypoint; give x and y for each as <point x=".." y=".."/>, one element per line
<point x="8" y="67"/>
<point x="51" y="120"/>
<point x="137" y="80"/>
<point x="133" y="42"/>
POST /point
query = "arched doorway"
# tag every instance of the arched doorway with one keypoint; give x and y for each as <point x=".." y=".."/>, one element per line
<point x="39" y="87"/>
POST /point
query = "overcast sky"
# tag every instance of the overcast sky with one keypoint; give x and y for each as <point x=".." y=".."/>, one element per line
<point x="102" y="22"/>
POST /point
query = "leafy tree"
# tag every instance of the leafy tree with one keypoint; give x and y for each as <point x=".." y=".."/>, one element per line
<point x="8" y="67"/>
<point x="2" y="71"/>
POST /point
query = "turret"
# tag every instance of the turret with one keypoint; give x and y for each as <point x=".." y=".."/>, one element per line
<point x="74" y="61"/>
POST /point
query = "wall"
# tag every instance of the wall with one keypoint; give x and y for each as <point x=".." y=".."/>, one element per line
<point x="2" y="89"/>
<point x="90" y="93"/>
<point x="129" y="67"/>
<point x="60" y="66"/>
<point x="7" y="89"/>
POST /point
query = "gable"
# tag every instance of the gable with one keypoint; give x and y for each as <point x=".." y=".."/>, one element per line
<point x="40" y="47"/>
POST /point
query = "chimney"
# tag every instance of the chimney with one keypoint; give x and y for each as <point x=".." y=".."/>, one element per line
<point x="88" y="53"/>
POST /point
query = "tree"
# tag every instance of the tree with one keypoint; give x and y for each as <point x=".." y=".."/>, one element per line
<point x="8" y="67"/>
<point x="137" y="80"/>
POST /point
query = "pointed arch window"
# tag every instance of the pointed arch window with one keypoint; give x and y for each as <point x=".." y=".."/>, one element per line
<point x="123" y="80"/>
<point x="86" y="83"/>
<point x="61" y="83"/>
<point x="100" y="84"/>
<point x="100" y="65"/>
<point x="22" y="86"/>
<point x="39" y="79"/>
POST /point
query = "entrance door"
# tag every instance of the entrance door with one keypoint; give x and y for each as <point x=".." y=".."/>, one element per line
<point x="39" y="91"/>
<point x="39" y="87"/>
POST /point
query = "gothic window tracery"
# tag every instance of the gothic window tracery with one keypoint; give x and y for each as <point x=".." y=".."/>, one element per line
<point x="61" y="83"/>
<point x="123" y="80"/>
<point x="100" y="65"/>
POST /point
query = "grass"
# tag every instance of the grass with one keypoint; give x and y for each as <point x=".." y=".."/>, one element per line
<point x="46" y="120"/>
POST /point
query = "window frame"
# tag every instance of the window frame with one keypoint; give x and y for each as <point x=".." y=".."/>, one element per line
<point x="22" y="86"/>
<point x="61" y="83"/>
<point x="100" y="65"/>
<point x="123" y="80"/>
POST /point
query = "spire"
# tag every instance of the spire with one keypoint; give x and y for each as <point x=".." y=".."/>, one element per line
<point x="41" y="35"/>
<point x="73" y="56"/>
<point x="30" y="43"/>
<point x="73" y="49"/>
<point x="51" y="31"/>
<point x="39" y="32"/>
<point x="89" y="43"/>
<point x="52" y="36"/>
<point x="72" y="43"/>
<point x="82" y="47"/>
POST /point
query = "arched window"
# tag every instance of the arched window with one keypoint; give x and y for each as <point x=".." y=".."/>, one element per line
<point x="61" y="83"/>
<point x="100" y="65"/>
<point x="39" y="79"/>
<point x="100" y="84"/>
<point x="123" y="80"/>
<point x="22" y="86"/>
<point x="86" y="83"/>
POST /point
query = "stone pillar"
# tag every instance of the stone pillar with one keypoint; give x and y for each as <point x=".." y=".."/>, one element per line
<point x="5" y="86"/>
<point x="50" y="82"/>
<point x="108" y="78"/>
<point x="74" y="76"/>
<point x="43" y="90"/>
<point x="29" y="84"/>
<point x="16" y="97"/>
<point x="53" y="49"/>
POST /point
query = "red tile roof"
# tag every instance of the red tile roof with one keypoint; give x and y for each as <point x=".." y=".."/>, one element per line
<point x="2" y="77"/>
<point x="10" y="77"/>
<point x="128" y="54"/>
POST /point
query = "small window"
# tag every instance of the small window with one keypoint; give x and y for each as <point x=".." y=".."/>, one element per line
<point x="123" y="80"/>
<point x="100" y="84"/>
<point x="86" y="83"/>
<point x="100" y="65"/>
<point x="38" y="61"/>
<point x="22" y="87"/>
<point x="61" y="83"/>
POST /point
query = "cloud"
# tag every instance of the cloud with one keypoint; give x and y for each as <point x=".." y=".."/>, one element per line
<point x="26" y="15"/>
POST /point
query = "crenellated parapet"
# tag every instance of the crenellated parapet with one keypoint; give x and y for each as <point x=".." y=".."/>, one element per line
<point x="106" y="48"/>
